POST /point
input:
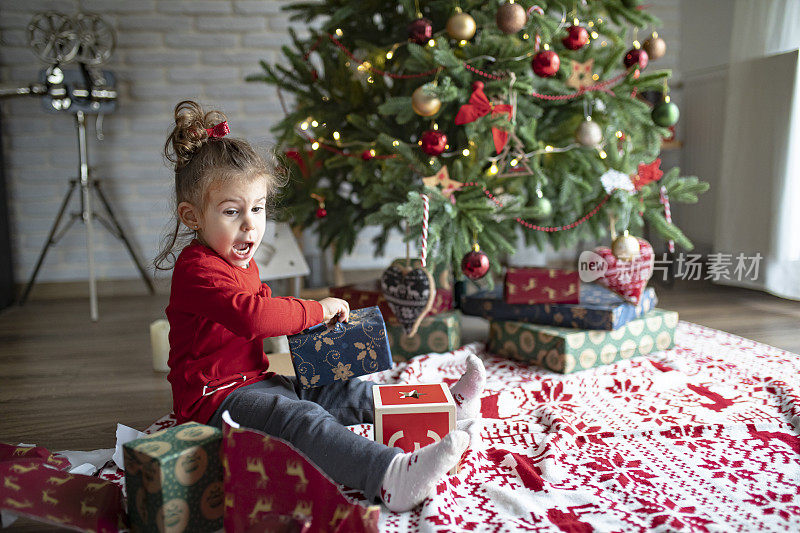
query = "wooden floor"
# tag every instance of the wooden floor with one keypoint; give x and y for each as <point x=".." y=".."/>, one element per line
<point x="66" y="382"/>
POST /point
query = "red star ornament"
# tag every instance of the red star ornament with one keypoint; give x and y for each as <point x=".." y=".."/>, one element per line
<point x="647" y="174"/>
<point x="581" y="76"/>
<point x="479" y="106"/>
<point x="442" y="180"/>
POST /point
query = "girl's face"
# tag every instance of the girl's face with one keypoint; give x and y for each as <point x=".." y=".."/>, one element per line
<point x="233" y="219"/>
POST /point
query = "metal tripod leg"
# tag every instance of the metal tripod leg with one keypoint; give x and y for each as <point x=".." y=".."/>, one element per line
<point x="121" y="235"/>
<point x="87" y="216"/>
<point x="49" y="242"/>
<point x="86" y="212"/>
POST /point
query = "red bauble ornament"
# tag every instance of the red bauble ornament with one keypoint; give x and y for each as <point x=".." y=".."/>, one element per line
<point x="420" y="31"/>
<point x="433" y="142"/>
<point x="636" y="56"/>
<point x="475" y="264"/>
<point x="576" y="38"/>
<point x="546" y="63"/>
<point x="321" y="212"/>
<point x="366" y="155"/>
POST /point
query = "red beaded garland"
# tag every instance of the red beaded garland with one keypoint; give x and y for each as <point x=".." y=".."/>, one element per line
<point x="548" y="229"/>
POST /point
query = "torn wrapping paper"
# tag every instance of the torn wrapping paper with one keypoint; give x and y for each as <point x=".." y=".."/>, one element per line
<point x="35" y="485"/>
<point x="125" y="434"/>
<point x="266" y="477"/>
<point x="86" y="463"/>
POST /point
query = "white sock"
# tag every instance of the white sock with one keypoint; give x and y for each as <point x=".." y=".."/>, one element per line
<point x="412" y="477"/>
<point x="473" y="427"/>
<point x="467" y="391"/>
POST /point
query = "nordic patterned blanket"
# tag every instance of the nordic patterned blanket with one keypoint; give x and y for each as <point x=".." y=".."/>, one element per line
<point x="703" y="437"/>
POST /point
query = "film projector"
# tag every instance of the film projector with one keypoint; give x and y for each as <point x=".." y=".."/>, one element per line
<point x="73" y="82"/>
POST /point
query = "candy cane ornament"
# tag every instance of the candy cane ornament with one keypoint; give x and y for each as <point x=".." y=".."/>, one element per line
<point x="538" y="39"/>
<point x="667" y="215"/>
<point x="425" y="214"/>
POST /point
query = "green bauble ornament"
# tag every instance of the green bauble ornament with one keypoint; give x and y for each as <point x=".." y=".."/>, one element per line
<point x="543" y="207"/>
<point x="665" y="114"/>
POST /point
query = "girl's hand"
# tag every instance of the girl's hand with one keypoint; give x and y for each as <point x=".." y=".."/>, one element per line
<point x="334" y="310"/>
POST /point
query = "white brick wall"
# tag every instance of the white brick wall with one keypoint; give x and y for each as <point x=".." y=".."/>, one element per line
<point x="167" y="50"/>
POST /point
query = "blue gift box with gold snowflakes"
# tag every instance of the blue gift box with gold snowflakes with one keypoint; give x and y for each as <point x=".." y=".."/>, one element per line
<point x="599" y="308"/>
<point x="323" y="354"/>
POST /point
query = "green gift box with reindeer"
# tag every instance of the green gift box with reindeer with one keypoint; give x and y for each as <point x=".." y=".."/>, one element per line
<point x="173" y="480"/>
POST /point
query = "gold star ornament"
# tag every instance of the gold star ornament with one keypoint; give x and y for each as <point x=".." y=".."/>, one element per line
<point x="441" y="180"/>
<point x="581" y="76"/>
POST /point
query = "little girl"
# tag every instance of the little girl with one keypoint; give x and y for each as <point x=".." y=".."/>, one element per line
<point x="220" y="312"/>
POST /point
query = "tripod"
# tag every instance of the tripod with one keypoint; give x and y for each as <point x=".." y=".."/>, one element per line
<point x="87" y="215"/>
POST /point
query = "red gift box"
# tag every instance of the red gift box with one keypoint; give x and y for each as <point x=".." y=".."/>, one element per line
<point x="31" y="486"/>
<point x="531" y="285"/>
<point x="361" y="295"/>
<point x="271" y="486"/>
<point x="412" y="416"/>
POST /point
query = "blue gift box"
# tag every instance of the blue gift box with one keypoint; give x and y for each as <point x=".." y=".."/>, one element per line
<point x="599" y="308"/>
<point x="323" y="354"/>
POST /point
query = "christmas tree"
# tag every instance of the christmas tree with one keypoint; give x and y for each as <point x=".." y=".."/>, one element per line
<point x="502" y="113"/>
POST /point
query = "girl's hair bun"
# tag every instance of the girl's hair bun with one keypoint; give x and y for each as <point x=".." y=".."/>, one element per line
<point x="189" y="132"/>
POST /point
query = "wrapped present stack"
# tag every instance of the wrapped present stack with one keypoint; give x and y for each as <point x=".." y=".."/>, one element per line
<point x="439" y="331"/>
<point x="551" y="319"/>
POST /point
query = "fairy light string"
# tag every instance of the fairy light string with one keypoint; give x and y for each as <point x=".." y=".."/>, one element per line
<point x="604" y="86"/>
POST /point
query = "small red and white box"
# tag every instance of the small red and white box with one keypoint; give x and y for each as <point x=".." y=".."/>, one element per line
<point x="413" y="416"/>
<point x="533" y="285"/>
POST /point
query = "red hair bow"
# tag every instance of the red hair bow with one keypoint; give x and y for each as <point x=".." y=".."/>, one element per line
<point x="480" y="106"/>
<point x="220" y="130"/>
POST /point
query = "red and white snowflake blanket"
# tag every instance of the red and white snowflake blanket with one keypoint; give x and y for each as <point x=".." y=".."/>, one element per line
<point x="703" y="437"/>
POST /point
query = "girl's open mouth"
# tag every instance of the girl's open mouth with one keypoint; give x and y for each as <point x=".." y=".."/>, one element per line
<point x="242" y="249"/>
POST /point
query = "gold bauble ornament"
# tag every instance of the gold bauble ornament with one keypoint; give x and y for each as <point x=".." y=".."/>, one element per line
<point x="655" y="47"/>
<point x="461" y="26"/>
<point x="589" y="134"/>
<point x="625" y="247"/>
<point x="511" y="17"/>
<point x="425" y="104"/>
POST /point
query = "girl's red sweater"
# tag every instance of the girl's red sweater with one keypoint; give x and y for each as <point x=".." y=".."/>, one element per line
<point x="219" y="315"/>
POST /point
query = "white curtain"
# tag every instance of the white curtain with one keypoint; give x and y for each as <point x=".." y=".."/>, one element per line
<point x="759" y="196"/>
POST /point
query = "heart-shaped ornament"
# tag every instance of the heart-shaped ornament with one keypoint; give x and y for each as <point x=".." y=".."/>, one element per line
<point x="410" y="293"/>
<point x="628" y="278"/>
